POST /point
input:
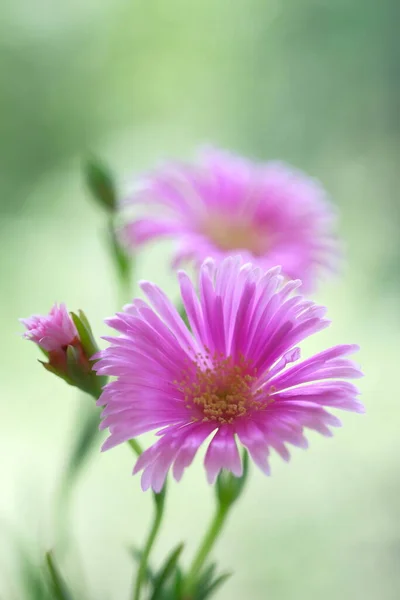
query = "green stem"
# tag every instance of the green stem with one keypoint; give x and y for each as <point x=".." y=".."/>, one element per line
<point x="122" y="262"/>
<point x="142" y="572"/>
<point x="136" y="447"/>
<point x="204" y="550"/>
<point x="159" y="504"/>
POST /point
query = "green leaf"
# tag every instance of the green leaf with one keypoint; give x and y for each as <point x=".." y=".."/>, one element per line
<point x="59" y="586"/>
<point x="137" y="556"/>
<point x="100" y="182"/>
<point x="85" y="437"/>
<point x="81" y="375"/>
<point x="75" y="371"/>
<point x="85" y="440"/>
<point x="73" y="362"/>
<point x="56" y="372"/>
<point x="213" y="586"/>
<point x="205" y="578"/>
<point x="85" y="333"/>
<point x="84" y="320"/>
<point x="34" y="584"/>
<point x="177" y="585"/>
<point x="165" y="572"/>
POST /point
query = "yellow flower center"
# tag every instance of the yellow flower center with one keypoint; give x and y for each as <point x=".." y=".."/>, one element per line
<point x="217" y="389"/>
<point x="230" y="235"/>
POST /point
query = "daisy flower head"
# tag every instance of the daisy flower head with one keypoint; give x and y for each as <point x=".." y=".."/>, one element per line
<point x="234" y="376"/>
<point x="223" y="204"/>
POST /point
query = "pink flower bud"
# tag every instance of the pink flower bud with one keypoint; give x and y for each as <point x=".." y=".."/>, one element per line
<point x="67" y="341"/>
<point x="51" y="332"/>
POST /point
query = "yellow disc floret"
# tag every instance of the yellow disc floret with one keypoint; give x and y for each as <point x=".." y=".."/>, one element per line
<point x="229" y="235"/>
<point x="217" y="388"/>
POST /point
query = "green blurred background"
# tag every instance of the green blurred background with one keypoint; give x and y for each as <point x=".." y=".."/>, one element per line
<point x="315" y="83"/>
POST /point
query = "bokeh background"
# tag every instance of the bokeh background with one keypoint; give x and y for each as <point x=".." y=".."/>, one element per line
<point x="312" y="82"/>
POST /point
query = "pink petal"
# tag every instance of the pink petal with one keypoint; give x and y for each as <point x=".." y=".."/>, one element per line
<point x="222" y="453"/>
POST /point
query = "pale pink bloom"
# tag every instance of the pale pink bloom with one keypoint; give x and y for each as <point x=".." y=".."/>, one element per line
<point x="269" y="212"/>
<point x="51" y="332"/>
<point x="226" y="379"/>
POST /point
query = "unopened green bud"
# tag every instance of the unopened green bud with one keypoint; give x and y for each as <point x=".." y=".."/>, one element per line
<point x="100" y="182"/>
<point x="228" y="487"/>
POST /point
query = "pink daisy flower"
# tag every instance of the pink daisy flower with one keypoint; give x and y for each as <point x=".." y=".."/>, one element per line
<point x="228" y="377"/>
<point x="51" y="332"/>
<point x="269" y="213"/>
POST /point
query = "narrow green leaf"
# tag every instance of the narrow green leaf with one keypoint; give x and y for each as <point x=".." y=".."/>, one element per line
<point x="56" y="372"/>
<point x="34" y="585"/>
<point x="177" y="587"/>
<point x="85" y="439"/>
<point x="84" y="320"/>
<point x="85" y="334"/>
<point x="80" y="375"/>
<point x="165" y="572"/>
<point x="205" y="578"/>
<point x="100" y="182"/>
<point x="173" y="591"/>
<point x="73" y="363"/>
<point x="59" y="586"/>
<point x="137" y="556"/>
<point x="86" y="435"/>
<point x="209" y="591"/>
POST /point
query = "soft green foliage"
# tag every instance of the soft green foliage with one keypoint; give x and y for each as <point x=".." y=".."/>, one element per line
<point x="209" y="587"/>
<point x="58" y="586"/>
<point x="33" y="580"/>
<point x="42" y="579"/>
<point x="137" y="556"/>
<point x="86" y="435"/>
<point x="166" y="571"/>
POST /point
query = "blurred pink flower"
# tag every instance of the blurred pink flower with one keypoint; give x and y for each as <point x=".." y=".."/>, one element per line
<point x="269" y="213"/>
<point x="228" y="376"/>
<point x="51" y="332"/>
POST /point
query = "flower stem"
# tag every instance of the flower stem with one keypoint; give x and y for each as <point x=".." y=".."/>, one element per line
<point x="122" y="262"/>
<point x="206" y="545"/>
<point x="136" y="447"/>
<point x="159" y="500"/>
<point x="142" y="572"/>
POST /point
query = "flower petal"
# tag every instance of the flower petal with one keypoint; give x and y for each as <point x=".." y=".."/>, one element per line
<point x="222" y="453"/>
